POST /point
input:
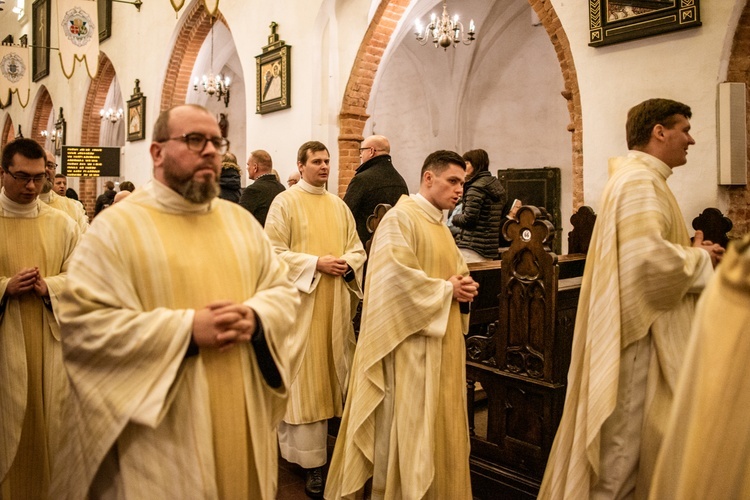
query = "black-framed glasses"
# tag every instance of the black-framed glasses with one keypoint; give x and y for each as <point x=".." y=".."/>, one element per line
<point x="363" y="149"/>
<point x="24" y="179"/>
<point x="197" y="142"/>
<point x="51" y="165"/>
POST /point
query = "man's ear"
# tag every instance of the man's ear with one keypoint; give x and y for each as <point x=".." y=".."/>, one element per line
<point x="157" y="153"/>
<point x="428" y="177"/>
<point x="658" y="132"/>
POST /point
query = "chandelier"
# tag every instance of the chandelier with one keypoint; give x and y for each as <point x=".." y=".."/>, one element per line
<point x="213" y="85"/>
<point x="445" y="31"/>
<point x="111" y="114"/>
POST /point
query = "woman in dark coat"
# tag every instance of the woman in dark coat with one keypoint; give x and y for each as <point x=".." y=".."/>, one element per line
<point x="230" y="181"/>
<point x="483" y="201"/>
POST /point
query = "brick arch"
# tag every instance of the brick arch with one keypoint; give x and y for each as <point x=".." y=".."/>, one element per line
<point x="353" y="115"/>
<point x="42" y="112"/>
<point x="193" y="33"/>
<point x="8" y="134"/>
<point x="91" y="124"/>
<point x="739" y="71"/>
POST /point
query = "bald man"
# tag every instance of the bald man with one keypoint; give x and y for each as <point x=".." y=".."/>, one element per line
<point x="375" y="181"/>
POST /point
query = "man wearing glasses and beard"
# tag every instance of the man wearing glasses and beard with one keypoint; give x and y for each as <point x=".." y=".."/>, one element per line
<point x="177" y="334"/>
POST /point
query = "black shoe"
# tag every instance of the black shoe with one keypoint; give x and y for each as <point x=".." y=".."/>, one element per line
<point x="314" y="482"/>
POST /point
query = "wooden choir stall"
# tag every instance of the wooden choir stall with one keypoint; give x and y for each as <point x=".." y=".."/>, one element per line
<point x="517" y="356"/>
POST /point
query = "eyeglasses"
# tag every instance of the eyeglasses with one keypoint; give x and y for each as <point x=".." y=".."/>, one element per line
<point x="51" y="166"/>
<point x="24" y="179"/>
<point x="197" y="142"/>
<point x="370" y="147"/>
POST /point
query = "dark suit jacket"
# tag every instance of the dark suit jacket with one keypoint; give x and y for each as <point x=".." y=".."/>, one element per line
<point x="258" y="196"/>
<point x="376" y="181"/>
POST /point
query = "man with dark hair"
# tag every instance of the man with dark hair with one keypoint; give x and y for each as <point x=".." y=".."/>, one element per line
<point x="70" y="207"/>
<point x="314" y="232"/>
<point x="37" y="242"/>
<point x="405" y="424"/>
<point x="178" y="339"/>
<point x="639" y="290"/>
<point x="258" y="196"/>
<point x="106" y="198"/>
<point x="375" y="181"/>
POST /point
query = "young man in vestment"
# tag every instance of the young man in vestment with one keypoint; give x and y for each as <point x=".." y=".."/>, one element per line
<point x="177" y="335"/>
<point x="69" y="206"/>
<point x="405" y="423"/>
<point x="36" y="244"/>
<point x="635" y="311"/>
<point x="314" y="232"/>
<point x="706" y="446"/>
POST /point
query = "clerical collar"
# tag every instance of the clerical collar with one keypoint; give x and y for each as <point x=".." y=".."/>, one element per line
<point x="309" y="188"/>
<point x="13" y="209"/>
<point x="652" y="161"/>
<point x="172" y="200"/>
<point x="432" y="211"/>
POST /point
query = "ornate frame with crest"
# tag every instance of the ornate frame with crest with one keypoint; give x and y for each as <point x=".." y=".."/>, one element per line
<point x="615" y="21"/>
<point x="136" y="117"/>
<point x="40" y="19"/>
<point x="273" y="75"/>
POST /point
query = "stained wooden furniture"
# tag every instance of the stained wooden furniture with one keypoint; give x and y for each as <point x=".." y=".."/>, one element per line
<point x="521" y="359"/>
<point x="714" y="225"/>
<point x="539" y="187"/>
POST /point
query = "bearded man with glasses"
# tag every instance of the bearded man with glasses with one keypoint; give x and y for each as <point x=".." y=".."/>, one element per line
<point x="177" y="334"/>
<point x="36" y="243"/>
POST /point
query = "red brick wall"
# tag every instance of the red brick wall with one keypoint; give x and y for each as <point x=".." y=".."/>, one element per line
<point x="41" y="115"/>
<point x="8" y="133"/>
<point x="739" y="71"/>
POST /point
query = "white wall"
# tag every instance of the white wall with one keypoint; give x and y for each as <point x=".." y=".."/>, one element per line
<point x="685" y="66"/>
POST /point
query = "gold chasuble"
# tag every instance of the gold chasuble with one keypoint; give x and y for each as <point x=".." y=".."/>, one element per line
<point x="405" y="422"/>
<point x="145" y="420"/>
<point x="33" y="384"/>
<point x="73" y="208"/>
<point x="304" y="223"/>
<point x="706" y="449"/>
<point x="641" y="281"/>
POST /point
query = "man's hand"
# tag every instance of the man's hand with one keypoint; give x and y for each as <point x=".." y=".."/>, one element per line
<point x="23" y="281"/>
<point x="464" y="288"/>
<point x="40" y="287"/>
<point x="223" y="324"/>
<point x="715" y="250"/>
<point x="329" y="264"/>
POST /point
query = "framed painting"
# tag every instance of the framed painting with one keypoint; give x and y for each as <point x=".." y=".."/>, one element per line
<point x="40" y="19"/>
<point x="59" y="138"/>
<point x="273" y="82"/>
<point x="137" y="114"/>
<point x="616" y="21"/>
<point x="104" y="16"/>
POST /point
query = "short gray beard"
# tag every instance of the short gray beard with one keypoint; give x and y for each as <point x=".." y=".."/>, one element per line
<point x="199" y="192"/>
<point x="47" y="187"/>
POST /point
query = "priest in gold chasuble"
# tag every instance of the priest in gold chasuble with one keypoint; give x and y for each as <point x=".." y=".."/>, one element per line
<point x="36" y="243"/>
<point x="177" y="339"/>
<point x="314" y="232"/>
<point x="405" y="423"/>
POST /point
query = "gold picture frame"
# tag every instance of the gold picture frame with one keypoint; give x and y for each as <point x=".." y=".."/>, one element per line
<point x="273" y="75"/>
<point x="136" y="124"/>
